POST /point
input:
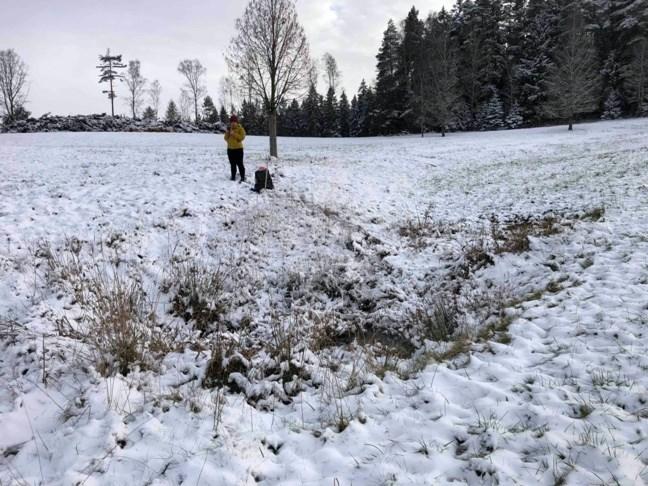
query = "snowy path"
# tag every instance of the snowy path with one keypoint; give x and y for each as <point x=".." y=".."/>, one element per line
<point x="565" y="401"/>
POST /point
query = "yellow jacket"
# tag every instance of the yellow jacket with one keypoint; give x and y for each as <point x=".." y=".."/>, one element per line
<point x="235" y="137"/>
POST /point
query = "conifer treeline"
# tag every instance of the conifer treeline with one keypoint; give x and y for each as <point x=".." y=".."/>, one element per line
<point x="488" y="64"/>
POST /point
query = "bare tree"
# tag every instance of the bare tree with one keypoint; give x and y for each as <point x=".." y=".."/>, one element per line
<point x="332" y="74"/>
<point x="108" y="67"/>
<point x="185" y="102"/>
<point x="573" y="84"/>
<point x="135" y="82"/>
<point x="13" y="83"/>
<point x="154" y="93"/>
<point x="227" y="92"/>
<point x="194" y="71"/>
<point x="270" y="53"/>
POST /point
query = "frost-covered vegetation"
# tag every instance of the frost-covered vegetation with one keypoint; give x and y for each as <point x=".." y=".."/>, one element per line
<point x="397" y="311"/>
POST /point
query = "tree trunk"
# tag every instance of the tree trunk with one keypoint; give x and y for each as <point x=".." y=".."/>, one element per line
<point x="443" y="130"/>
<point x="272" y="129"/>
<point x="571" y="125"/>
<point x="196" y="109"/>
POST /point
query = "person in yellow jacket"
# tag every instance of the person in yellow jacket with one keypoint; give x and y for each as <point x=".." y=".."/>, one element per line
<point x="234" y="137"/>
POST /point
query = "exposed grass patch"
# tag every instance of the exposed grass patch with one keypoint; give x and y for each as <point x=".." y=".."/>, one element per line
<point x="594" y="214"/>
<point x="513" y="236"/>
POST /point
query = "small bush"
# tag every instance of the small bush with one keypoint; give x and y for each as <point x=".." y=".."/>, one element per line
<point x="199" y="294"/>
<point x="437" y="320"/>
<point x="118" y="319"/>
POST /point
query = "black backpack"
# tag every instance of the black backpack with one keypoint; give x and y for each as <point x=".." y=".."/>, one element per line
<point x="262" y="180"/>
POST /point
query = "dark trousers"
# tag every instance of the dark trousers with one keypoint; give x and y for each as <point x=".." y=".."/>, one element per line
<point x="235" y="157"/>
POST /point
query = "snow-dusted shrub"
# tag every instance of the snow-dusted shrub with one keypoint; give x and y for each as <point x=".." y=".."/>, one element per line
<point x="437" y="320"/>
<point x="117" y="318"/>
<point x="198" y="294"/>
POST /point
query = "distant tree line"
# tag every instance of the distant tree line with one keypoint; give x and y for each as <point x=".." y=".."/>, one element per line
<point x="484" y="65"/>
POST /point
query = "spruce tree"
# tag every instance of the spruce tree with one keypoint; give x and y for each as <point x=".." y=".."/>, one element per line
<point x="574" y="83"/>
<point x="354" y="124"/>
<point x="149" y="114"/>
<point x="390" y="97"/>
<point x="412" y="69"/>
<point x="172" y="114"/>
<point x="541" y="33"/>
<point x="209" y="113"/>
<point x="292" y="120"/>
<point x="312" y="113"/>
<point x="491" y="114"/>
<point x="223" y="117"/>
<point x="330" y="115"/>
<point x="344" y="116"/>
<point x="442" y="80"/>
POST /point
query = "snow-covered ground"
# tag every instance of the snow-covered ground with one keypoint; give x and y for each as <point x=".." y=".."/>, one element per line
<point x="330" y="377"/>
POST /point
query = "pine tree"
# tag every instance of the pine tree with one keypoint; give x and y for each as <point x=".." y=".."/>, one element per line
<point x="251" y="118"/>
<point x="513" y="37"/>
<point x="344" y="116"/>
<point x="442" y="78"/>
<point x="312" y="113"/>
<point x="390" y="98"/>
<point x="329" y="115"/>
<point x="354" y="124"/>
<point x="573" y="84"/>
<point x="209" y="113"/>
<point x="412" y="69"/>
<point x="109" y="74"/>
<point x="613" y="106"/>
<point x="482" y="54"/>
<point x="365" y="105"/>
<point x="149" y="114"/>
<point x="172" y="114"/>
<point x="223" y="117"/>
<point x="541" y="32"/>
<point x="514" y="118"/>
<point x="491" y="114"/>
<point x="293" y="120"/>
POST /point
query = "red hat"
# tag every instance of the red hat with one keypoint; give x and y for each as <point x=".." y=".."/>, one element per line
<point x="234" y="118"/>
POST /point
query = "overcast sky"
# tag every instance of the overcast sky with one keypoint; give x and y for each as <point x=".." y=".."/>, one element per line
<point x="60" y="41"/>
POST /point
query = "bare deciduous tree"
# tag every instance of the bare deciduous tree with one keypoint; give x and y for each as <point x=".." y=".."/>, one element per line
<point x="13" y="83"/>
<point x="227" y="92"/>
<point x="574" y="84"/>
<point x="185" y="105"/>
<point x="135" y="82"/>
<point x="331" y="71"/>
<point x="193" y="70"/>
<point x="270" y="53"/>
<point x="154" y="93"/>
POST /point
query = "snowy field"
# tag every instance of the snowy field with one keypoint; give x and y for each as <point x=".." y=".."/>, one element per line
<point x="399" y="311"/>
